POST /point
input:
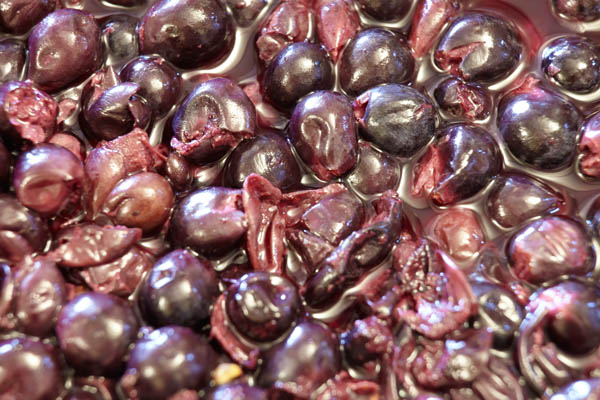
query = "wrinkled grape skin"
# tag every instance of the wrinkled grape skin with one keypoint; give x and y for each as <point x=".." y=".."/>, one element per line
<point x="46" y="178"/>
<point x="21" y="221"/>
<point x="463" y="100"/>
<point x="151" y="372"/>
<point x="179" y="290"/>
<point x="385" y="10"/>
<point x="262" y="306"/>
<point x="324" y="133"/>
<point x="572" y="63"/>
<point x="119" y="37"/>
<point x="397" y="119"/>
<point x="12" y="56"/>
<point x="375" y="172"/>
<point x="19" y="16"/>
<point x="159" y="82"/>
<point x="266" y="154"/>
<point x="143" y="200"/>
<point x="297" y="70"/>
<point x="499" y="312"/>
<point x="39" y="296"/>
<point x="94" y="332"/>
<point x="516" y="198"/>
<point x="539" y="127"/>
<point x="188" y="33"/>
<point x="374" y="56"/>
<point x="300" y="364"/>
<point x="20" y="374"/>
<point x="550" y="247"/>
<point x="479" y="47"/>
<point x="214" y="117"/>
<point x="73" y="38"/>
<point x="209" y="221"/>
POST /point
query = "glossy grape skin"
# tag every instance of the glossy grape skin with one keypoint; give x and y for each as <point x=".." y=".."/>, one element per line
<point x="188" y="33"/>
<point x="577" y="10"/>
<point x="20" y="361"/>
<point x="119" y="37"/>
<point x="324" y="133"/>
<point x="46" y="177"/>
<point x="396" y="118"/>
<point x="539" y="127"/>
<point x="572" y="63"/>
<point x="307" y="358"/>
<point x="374" y="56"/>
<point x="73" y="37"/>
<point x="237" y="391"/>
<point x="385" y="10"/>
<point x="179" y="290"/>
<point x="94" y="332"/>
<point x="262" y="306"/>
<point x="479" y="47"/>
<point x="297" y="70"/>
<point x="153" y="374"/>
<point x="267" y="154"/>
<point x="588" y="389"/>
<point x="23" y="231"/>
<point x="19" y="16"/>
<point x="375" y="172"/>
<point x="209" y="221"/>
<point x="159" y="82"/>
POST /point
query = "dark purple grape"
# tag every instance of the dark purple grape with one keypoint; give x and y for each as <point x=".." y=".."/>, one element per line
<point x="22" y="231"/>
<point x="479" y="47"/>
<point x="573" y="63"/>
<point x="179" y="290"/>
<point x="64" y="49"/>
<point x="245" y="12"/>
<point x="29" y="370"/>
<point x="297" y="70"/>
<point x="209" y="221"/>
<point x="94" y="331"/>
<point x="267" y="154"/>
<point x="142" y="200"/>
<point x="237" y="391"/>
<point x="39" y="295"/>
<point x="334" y="217"/>
<point x="548" y="248"/>
<point x="457" y="166"/>
<point x="214" y="117"/>
<point x="396" y="118"/>
<point x="593" y="216"/>
<point x="575" y="326"/>
<point x="463" y="100"/>
<point x="300" y="364"/>
<point x="188" y="33"/>
<point x="126" y="3"/>
<point x="324" y="133"/>
<point x="374" y="56"/>
<point x="588" y="389"/>
<point x="385" y="10"/>
<point x="262" y="306"/>
<point x="375" y="172"/>
<point x="110" y="111"/>
<point x="19" y="16"/>
<point x="119" y="36"/>
<point x="12" y="60"/>
<point x="165" y="361"/>
<point x="159" y="82"/>
<point x="516" y="198"/>
<point x="47" y="178"/>
<point x="499" y="312"/>
<point x="540" y="127"/>
<point x="578" y="10"/>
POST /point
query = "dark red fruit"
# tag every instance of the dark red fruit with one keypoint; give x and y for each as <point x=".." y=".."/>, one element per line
<point x="323" y="131"/>
<point x="12" y="56"/>
<point x="337" y="22"/>
<point x="578" y="10"/>
<point x="428" y="20"/>
<point x="19" y="16"/>
<point x="188" y="33"/>
<point x="463" y="100"/>
<point x="375" y="172"/>
<point x="374" y="56"/>
<point x="119" y="37"/>
<point x="385" y="10"/>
